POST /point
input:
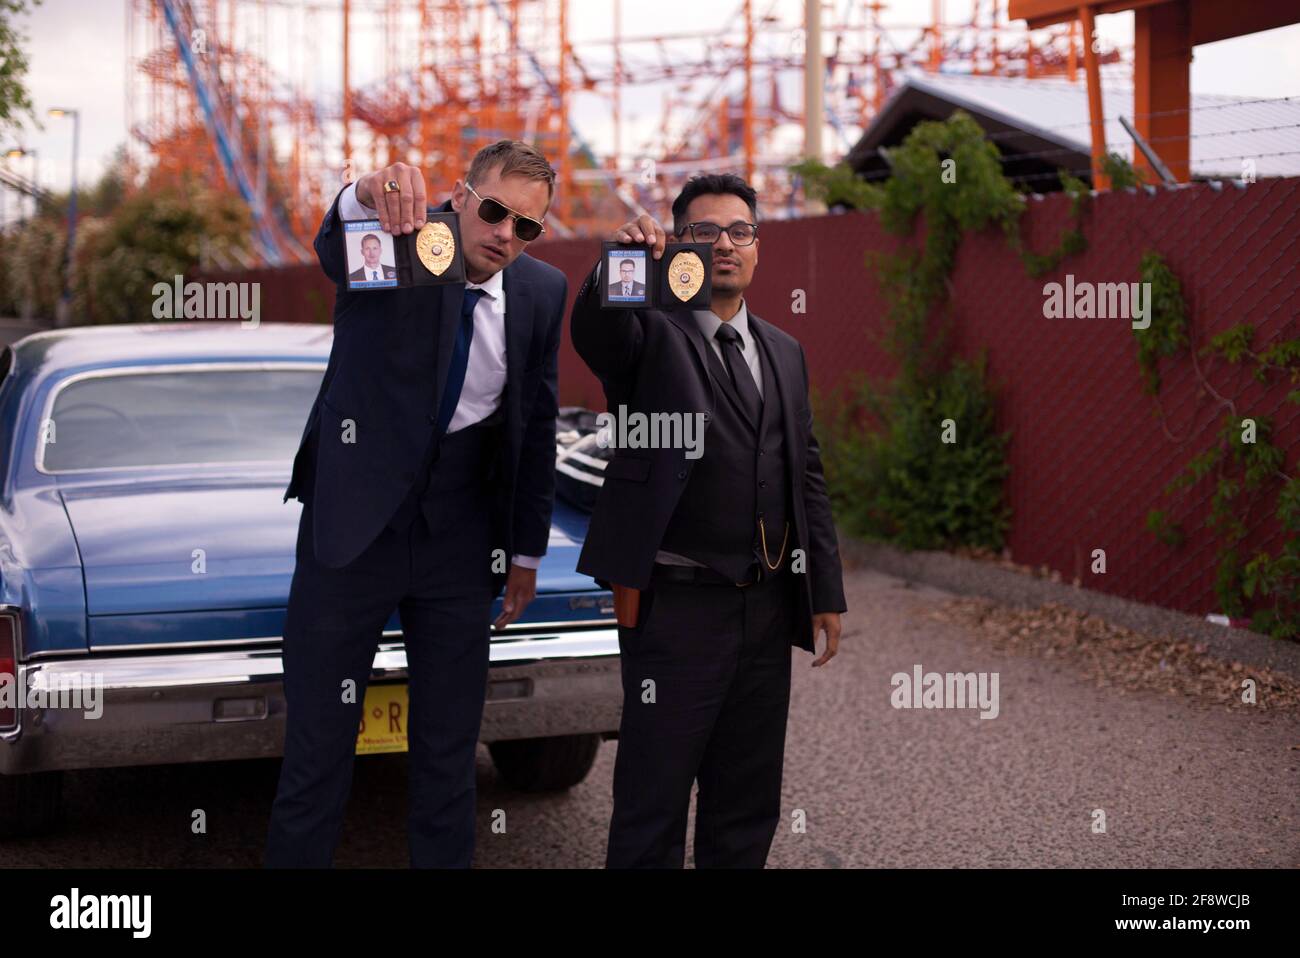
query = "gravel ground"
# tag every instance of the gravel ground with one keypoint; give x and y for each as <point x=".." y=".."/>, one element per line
<point x="1186" y="775"/>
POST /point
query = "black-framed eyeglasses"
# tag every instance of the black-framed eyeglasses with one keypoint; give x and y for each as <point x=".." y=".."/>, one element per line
<point x="494" y="211"/>
<point x="740" y="232"/>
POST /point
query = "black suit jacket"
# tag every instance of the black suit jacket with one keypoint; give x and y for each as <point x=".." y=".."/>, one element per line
<point x="654" y="362"/>
<point x="391" y="353"/>
<point x="386" y="272"/>
<point x="616" y="289"/>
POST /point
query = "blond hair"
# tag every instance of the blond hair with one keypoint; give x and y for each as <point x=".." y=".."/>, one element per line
<point x="514" y="157"/>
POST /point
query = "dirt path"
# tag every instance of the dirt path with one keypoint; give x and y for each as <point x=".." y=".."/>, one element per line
<point x="1183" y="780"/>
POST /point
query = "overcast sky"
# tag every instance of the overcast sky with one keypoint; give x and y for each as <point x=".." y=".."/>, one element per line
<point x="78" y="59"/>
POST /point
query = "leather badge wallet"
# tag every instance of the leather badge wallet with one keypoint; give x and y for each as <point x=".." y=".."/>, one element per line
<point x="431" y="256"/>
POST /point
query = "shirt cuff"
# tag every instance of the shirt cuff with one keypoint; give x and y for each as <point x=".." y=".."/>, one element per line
<point x="527" y="562"/>
<point x="351" y="208"/>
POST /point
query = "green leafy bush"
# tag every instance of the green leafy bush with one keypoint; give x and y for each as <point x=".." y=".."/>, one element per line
<point x="898" y="480"/>
<point x="891" y="473"/>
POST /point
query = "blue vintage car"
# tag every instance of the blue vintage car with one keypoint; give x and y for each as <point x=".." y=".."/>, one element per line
<point x="145" y="561"/>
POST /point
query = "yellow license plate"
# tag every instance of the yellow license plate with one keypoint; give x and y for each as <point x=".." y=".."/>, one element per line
<point x="383" y="720"/>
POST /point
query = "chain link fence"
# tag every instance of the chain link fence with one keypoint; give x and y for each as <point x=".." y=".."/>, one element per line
<point x="1091" y="452"/>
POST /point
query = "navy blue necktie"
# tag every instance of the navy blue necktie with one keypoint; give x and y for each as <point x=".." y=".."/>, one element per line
<point x="459" y="359"/>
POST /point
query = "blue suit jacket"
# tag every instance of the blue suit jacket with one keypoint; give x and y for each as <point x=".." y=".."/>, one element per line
<point x="386" y="371"/>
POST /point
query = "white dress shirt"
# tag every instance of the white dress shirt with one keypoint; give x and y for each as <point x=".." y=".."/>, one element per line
<point x="709" y="323"/>
<point x="485" y="371"/>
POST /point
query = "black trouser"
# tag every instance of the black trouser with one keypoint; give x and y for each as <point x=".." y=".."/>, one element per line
<point x="706" y="691"/>
<point x="439" y="579"/>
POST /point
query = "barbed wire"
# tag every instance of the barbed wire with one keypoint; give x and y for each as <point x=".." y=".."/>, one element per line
<point x="1206" y="135"/>
<point x="1003" y="134"/>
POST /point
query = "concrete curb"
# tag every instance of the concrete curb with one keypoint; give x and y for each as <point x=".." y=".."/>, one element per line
<point x="971" y="577"/>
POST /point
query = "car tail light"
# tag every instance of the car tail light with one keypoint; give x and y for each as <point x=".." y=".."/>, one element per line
<point x="8" y="673"/>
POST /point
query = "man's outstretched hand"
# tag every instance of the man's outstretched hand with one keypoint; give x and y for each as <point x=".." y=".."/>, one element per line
<point x="521" y="586"/>
<point x="828" y="622"/>
<point x="643" y="229"/>
<point x="399" y="212"/>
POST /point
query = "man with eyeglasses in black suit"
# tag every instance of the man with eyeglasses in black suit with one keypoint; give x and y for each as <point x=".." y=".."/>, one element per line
<point x="734" y="552"/>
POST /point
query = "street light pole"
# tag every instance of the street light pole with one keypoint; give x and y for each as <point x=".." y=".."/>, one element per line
<point x="72" y="204"/>
<point x="33" y="202"/>
<point x="35" y="180"/>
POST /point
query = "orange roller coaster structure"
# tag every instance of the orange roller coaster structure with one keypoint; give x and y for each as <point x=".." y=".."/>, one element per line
<point x="281" y="100"/>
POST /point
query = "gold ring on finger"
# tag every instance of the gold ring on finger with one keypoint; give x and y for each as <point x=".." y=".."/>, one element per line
<point x="392" y="187"/>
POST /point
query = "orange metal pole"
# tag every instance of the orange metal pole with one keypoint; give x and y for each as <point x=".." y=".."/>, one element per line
<point x="878" y="93"/>
<point x="347" y="88"/>
<point x="1162" y="59"/>
<point x="1074" y="51"/>
<point x="936" y="32"/>
<point x="724" y="127"/>
<point x="562" y="170"/>
<point x="1096" y="114"/>
<point x="423" y="105"/>
<point x="749" y="92"/>
<point x="997" y="47"/>
<point x="618" y="84"/>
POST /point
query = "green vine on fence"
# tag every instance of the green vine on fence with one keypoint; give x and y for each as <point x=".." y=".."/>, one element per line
<point x="1242" y="461"/>
<point x="1166" y="334"/>
<point x="899" y="480"/>
<point x="1072" y="240"/>
<point x="930" y="469"/>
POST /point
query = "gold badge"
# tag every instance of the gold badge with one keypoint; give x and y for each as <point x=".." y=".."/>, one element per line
<point x="436" y="247"/>
<point x="685" y="275"/>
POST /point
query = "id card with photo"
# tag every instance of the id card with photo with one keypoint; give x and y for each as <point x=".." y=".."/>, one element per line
<point x="372" y="258"/>
<point x="626" y="271"/>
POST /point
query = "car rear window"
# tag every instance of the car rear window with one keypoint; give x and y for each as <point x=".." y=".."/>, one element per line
<point x="137" y="419"/>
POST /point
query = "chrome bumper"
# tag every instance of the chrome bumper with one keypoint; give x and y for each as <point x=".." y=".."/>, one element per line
<point x="163" y="708"/>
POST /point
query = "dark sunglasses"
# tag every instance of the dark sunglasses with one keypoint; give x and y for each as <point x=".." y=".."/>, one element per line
<point x="494" y="211"/>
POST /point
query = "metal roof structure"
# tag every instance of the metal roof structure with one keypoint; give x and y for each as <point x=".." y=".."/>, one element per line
<point x="1042" y="125"/>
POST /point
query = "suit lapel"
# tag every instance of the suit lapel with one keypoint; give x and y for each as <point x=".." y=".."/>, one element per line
<point x="783" y="385"/>
<point x="771" y="395"/>
<point x="684" y="321"/>
<point x="519" y="333"/>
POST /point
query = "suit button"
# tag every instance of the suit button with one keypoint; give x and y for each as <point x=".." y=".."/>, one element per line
<point x="682" y="474"/>
<point x="762" y="483"/>
<point x="433" y="420"/>
<point x="760" y="452"/>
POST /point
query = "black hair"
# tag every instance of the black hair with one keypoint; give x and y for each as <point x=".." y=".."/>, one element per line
<point x="710" y="184"/>
<point x="629" y="262"/>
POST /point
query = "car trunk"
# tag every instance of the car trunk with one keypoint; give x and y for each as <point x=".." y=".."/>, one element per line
<point x="212" y="561"/>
